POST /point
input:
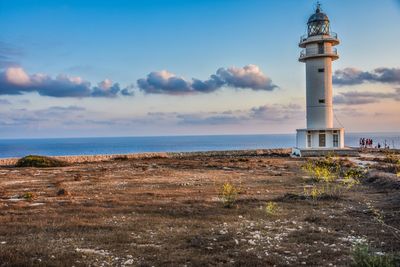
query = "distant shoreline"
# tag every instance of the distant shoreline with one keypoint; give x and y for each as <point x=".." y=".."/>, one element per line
<point x="279" y="152"/>
<point x="107" y="157"/>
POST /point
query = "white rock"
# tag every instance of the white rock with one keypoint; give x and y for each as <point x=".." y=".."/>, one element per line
<point x="252" y="242"/>
<point x="128" y="262"/>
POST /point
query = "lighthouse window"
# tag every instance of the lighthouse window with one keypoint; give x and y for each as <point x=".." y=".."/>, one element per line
<point x="320" y="48"/>
<point x="308" y="140"/>
<point x="321" y="70"/>
<point x="335" y="140"/>
<point x="321" y="101"/>
<point x="322" y="140"/>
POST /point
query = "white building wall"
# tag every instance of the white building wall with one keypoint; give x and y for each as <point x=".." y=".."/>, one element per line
<point x="301" y="138"/>
<point x="319" y="88"/>
<point x="341" y="139"/>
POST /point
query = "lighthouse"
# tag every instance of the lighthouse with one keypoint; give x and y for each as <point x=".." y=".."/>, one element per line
<point x="318" y="53"/>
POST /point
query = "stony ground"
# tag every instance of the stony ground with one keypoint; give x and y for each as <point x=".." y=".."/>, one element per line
<point x="168" y="212"/>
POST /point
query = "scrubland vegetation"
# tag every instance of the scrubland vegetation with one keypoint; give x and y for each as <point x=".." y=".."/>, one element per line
<point x="39" y="162"/>
<point x="203" y="210"/>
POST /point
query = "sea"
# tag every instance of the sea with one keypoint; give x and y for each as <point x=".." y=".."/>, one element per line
<point x="124" y="145"/>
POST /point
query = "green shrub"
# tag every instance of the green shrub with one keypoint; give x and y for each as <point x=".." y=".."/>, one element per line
<point x="362" y="256"/>
<point x="330" y="178"/>
<point x="315" y="192"/>
<point x="39" y="162"/>
<point x="352" y="176"/>
<point x="271" y="208"/>
<point x="28" y="195"/>
<point x="228" y="194"/>
<point x="324" y="170"/>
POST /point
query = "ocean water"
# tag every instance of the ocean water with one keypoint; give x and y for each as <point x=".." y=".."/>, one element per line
<point x="122" y="145"/>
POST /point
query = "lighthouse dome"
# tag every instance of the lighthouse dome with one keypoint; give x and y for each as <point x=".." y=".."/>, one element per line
<point x="318" y="16"/>
<point x="318" y="23"/>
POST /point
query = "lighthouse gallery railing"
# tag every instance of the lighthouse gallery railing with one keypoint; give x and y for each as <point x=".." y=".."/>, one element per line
<point x="318" y="51"/>
<point x="332" y="35"/>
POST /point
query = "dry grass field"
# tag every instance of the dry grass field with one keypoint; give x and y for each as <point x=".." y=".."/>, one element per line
<point x="168" y="212"/>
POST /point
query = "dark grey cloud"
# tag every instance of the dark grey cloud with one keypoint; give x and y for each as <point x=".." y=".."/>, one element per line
<point x="163" y="82"/>
<point x="248" y="77"/>
<point x="207" y="86"/>
<point x="15" y="81"/>
<point x="352" y="76"/>
<point x="359" y="98"/>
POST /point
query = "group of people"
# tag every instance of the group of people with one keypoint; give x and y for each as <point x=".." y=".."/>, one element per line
<point x="366" y="142"/>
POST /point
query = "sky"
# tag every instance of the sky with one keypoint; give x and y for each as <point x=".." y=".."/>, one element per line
<point x="188" y="67"/>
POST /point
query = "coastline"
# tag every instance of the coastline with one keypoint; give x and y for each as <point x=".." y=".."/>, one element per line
<point x="107" y="157"/>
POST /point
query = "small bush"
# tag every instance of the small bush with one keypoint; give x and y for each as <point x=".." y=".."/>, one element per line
<point x="314" y="192"/>
<point x="39" y="162"/>
<point x="228" y="194"/>
<point x="271" y="208"/>
<point x="352" y="176"/>
<point x="121" y="158"/>
<point x="62" y="192"/>
<point x="330" y="178"/>
<point x="322" y="170"/>
<point x="28" y="195"/>
<point x="362" y="256"/>
<point x="391" y="157"/>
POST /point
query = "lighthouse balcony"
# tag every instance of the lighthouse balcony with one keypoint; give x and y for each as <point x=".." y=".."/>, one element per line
<point x="307" y="53"/>
<point x="331" y="37"/>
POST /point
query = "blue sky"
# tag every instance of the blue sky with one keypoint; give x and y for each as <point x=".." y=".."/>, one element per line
<point x="109" y="42"/>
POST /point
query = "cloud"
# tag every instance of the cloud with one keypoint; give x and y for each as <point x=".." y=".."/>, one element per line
<point x="207" y="119"/>
<point x="107" y="88"/>
<point x="352" y="76"/>
<point x="15" y="81"/>
<point x="359" y="98"/>
<point x="52" y="116"/>
<point x="347" y="111"/>
<point x="164" y="82"/>
<point x="248" y="77"/>
<point x="8" y="54"/>
<point x="275" y="113"/>
<point x="4" y="102"/>
<point x="77" y="121"/>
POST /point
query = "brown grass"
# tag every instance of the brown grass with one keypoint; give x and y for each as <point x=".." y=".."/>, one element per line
<point x="166" y="212"/>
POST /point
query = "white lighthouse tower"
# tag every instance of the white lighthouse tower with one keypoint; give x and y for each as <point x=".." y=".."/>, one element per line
<point x="320" y="136"/>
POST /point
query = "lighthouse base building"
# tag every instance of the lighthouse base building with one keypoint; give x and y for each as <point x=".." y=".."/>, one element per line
<point x="323" y="141"/>
<point x="320" y="137"/>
